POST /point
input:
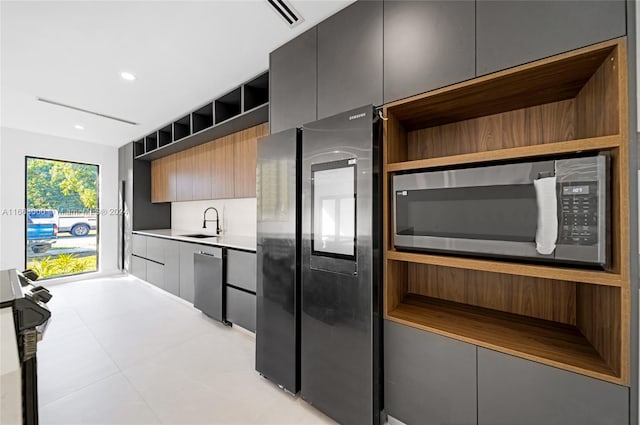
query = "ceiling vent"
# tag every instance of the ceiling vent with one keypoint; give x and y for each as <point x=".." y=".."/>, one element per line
<point x="284" y="9"/>
<point x="86" y="111"/>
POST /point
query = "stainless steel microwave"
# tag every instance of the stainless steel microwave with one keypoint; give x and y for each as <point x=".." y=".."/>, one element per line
<point x="553" y="210"/>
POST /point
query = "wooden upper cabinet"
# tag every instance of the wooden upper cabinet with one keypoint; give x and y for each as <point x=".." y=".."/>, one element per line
<point x="163" y="179"/>
<point x="222" y="167"/>
<point x="202" y="157"/>
<point x="185" y="175"/>
<point x="245" y="158"/>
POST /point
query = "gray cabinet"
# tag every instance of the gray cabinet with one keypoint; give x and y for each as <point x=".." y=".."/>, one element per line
<point x="241" y="308"/>
<point x="241" y="272"/>
<point x="292" y="83"/>
<point x="138" y="267"/>
<point x="511" y="33"/>
<point x="350" y="58"/>
<point x="427" y="45"/>
<point x="155" y="249"/>
<point x="428" y="378"/>
<point x="172" y="266"/>
<point x="162" y="259"/>
<point x="134" y="195"/>
<point x="186" y="270"/>
<point x="155" y="274"/>
<point x="242" y="269"/>
<point x="514" y="391"/>
<point x="139" y="245"/>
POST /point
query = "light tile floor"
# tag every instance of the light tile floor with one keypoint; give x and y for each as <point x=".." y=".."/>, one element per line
<point x="119" y="351"/>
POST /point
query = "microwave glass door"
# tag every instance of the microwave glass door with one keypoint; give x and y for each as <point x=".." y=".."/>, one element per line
<point x="333" y="205"/>
<point x="497" y="212"/>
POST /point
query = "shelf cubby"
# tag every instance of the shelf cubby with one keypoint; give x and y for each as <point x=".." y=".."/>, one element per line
<point x="202" y="118"/>
<point x="165" y="136"/>
<point x="552" y="321"/>
<point x="151" y="142"/>
<point x="256" y="92"/>
<point x="562" y="315"/>
<point x="228" y="106"/>
<point x="138" y="147"/>
<point x="182" y="128"/>
<point x="214" y="120"/>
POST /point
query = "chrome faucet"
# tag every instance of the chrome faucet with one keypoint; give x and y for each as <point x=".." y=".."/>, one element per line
<point x="217" y="220"/>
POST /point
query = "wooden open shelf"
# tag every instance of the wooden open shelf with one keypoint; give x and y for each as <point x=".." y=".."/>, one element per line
<point x="595" y="277"/>
<point x="539" y="151"/>
<point x="573" y="318"/>
<point x="544" y="341"/>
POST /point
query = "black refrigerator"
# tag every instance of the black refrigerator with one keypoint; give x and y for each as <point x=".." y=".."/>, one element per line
<point x="278" y="259"/>
<point x="319" y="302"/>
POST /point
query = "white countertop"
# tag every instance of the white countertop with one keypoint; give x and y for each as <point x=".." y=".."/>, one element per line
<point x="229" y="241"/>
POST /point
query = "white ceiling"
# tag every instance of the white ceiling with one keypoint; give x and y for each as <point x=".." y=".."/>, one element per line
<point x="184" y="53"/>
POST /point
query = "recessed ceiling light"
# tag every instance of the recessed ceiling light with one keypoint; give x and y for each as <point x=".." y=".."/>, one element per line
<point x="127" y="76"/>
<point x="78" y="127"/>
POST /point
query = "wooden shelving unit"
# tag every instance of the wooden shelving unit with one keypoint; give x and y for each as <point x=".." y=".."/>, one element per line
<point x="568" y="317"/>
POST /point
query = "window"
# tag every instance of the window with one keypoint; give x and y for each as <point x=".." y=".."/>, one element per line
<point x="61" y="225"/>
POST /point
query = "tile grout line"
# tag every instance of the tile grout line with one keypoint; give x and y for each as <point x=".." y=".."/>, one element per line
<point x="120" y="371"/>
<point x="72" y="307"/>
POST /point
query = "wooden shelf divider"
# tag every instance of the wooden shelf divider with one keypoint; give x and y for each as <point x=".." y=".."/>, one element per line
<point x="572" y="146"/>
<point x="594" y="277"/>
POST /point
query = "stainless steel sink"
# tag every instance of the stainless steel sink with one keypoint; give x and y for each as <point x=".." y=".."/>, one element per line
<point x="199" y="236"/>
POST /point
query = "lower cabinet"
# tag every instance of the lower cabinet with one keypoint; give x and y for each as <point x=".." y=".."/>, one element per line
<point x="241" y="271"/>
<point x="428" y="378"/>
<point x="241" y="308"/>
<point x="155" y="274"/>
<point x="186" y="270"/>
<point x="139" y="267"/>
<point x="168" y="264"/>
<point x="431" y="379"/>
<point x="514" y="391"/>
<point x="171" y="250"/>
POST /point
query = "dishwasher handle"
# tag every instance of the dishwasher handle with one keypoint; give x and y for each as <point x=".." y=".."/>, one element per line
<point x="214" y="254"/>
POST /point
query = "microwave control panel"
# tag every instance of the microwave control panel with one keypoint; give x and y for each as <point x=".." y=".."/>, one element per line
<point x="578" y="207"/>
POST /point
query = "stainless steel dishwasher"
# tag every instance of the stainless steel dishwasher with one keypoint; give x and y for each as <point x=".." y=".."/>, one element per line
<point x="209" y="283"/>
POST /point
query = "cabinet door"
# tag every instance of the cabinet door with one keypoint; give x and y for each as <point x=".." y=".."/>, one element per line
<point x="350" y="59"/>
<point x="427" y="45"/>
<point x="186" y="270"/>
<point x="222" y="168"/>
<point x="155" y="274"/>
<point x="185" y="175"/>
<point x="163" y="179"/>
<point x="428" y="378"/>
<point x="139" y="267"/>
<point x="292" y="82"/>
<point x="201" y="170"/>
<point x="155" y="249"/>
<point x="511" y="33"/>
<point x="242" y="269"/>
<point x="514" y="391"/>
<point x="171" y="266"/>
<point x="244" y="163"/>
<point x="139" y="245"/>
<point x="241" y="308"/>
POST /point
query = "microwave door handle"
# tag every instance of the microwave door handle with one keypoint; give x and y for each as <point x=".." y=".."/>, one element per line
<point x="547" y="231"/>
